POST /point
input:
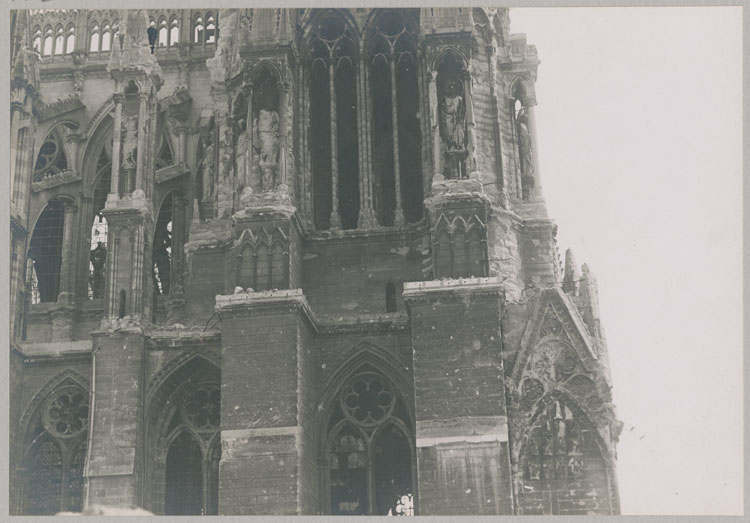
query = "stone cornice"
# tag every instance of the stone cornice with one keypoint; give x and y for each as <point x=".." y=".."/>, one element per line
<point x="175" y="338"/>
<point x="363" y="324"/>
<point x="266" y="302"/>
<point x="449" y="290"/>
<point x="171" y="171"/>
<point x="55" y="180"/>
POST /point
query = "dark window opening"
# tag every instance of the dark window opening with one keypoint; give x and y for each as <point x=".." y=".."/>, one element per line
<point x="45" y="253"/>
<point x="122" y="304"/>
<point x="99" y="230"/>
<point x="393" y="480"/>
<point x="165" y="158"/>
<point x="410" y="139"/>
<point x="347" y="144"/>
<point x="162" y="253"/>
<point x="390" y="297"/>
<point x="382" y="147"/>
<point x="57" y="448"/>
<point x="191" y="467"/>
<point x="369" y="474"/>
<point x="184" y="488"/>
<point x="320" y="143"/>
<point x="348" y="465"/>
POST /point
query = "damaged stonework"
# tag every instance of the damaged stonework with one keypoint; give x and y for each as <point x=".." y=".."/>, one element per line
<point x="294" y="261"/>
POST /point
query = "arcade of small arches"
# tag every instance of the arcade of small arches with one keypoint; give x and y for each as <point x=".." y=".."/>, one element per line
<point x="163" y="31"/>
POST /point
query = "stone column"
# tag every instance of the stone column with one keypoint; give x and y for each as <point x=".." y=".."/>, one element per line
<point x="66" y="268"/>
<point x="114" y="190"/>
<point x="15" y="108"/>
<point x="141" y="157"/>
<point x="366" y="217"/>
<point x="250" y="128"/>
<point x="335" y="221"/>
<point x="281" y="174"/>
<point x="398" y="218"/>
<point x="85" y="222"/>
<point x="471" y="161"/>
<point x="62" y="313"/>
<point x="437" y="168"/>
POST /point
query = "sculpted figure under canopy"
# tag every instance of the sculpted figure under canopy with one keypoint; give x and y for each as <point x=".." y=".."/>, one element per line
<point x="267" y="129"/>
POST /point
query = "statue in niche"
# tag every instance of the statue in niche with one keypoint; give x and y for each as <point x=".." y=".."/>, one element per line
<point x="241" y="156"/>
<point x="266" y="127"/>
<point x="207" y="162"/>
<point x="452" y="126"/>
<point x="130" y="142"/>
<point x="98" y="257"/>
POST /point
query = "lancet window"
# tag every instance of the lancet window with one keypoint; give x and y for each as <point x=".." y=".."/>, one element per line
<point x="162" y="250"/>
<point x="334" y="143"/>
<point x="369" y="451"/>
<point x="394" y="91"/>
<point x="364" y="135"/>
<point x="45" y="254"/>
<point x="263" y="262"/>
<point x="184" y="443"/>
<point x="99" y="229"/>
<point x="459" y="248"/>
<point x="55" y="452"/>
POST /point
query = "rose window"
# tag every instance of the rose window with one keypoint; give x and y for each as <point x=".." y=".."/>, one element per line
<point x="202" y="409"/>
<point x="367" y="400"/>
<point x="67" y="413"/>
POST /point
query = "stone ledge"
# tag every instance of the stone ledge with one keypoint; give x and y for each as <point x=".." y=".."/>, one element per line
<point x="468" y="429"/>
<point x="55" y="180"/>
<point x="57" y="348"/>
<point x="169" y="172"/>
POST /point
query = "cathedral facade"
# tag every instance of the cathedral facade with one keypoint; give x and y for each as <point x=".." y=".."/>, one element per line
<point x="293" y="261"/>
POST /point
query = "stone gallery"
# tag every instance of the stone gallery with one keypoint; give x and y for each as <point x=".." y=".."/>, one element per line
<point x="293" y="261"/>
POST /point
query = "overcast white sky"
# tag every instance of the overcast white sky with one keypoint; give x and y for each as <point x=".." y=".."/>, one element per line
<point x="639" y="121"/>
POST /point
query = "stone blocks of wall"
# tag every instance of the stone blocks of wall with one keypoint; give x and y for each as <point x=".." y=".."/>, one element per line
<point x="266" y="461"/>
<point x="117" y="416"/>
<point x="459" y="395"/>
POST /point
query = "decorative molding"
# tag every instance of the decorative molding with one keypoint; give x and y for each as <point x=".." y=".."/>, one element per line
<point x="59" y="107"/>
<point x="56" y="180"/>
<point x="171" y="171"/>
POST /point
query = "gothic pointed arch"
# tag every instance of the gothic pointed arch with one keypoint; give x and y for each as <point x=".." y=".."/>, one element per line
<point x="391" y="43"/>
<point x="55" y="438"/>
<point x="366" y="433"/>
<point x="182" y="426"/>
<point x="558" y="448"/>
<point x="331" y="48"/>
<point x="554" y="317"/>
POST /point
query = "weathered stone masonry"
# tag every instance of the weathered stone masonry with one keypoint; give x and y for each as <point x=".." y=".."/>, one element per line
<point x="293" y="261"/>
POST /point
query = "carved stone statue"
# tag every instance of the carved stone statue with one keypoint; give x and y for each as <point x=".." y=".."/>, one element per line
<point x="524" y="144"/>
<point x="267" y="128"/>
<point x="452" y="126"/>
<point x="98" y="258"/>
<point x="130" y="142"/>
<point x="208" y="164"/>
